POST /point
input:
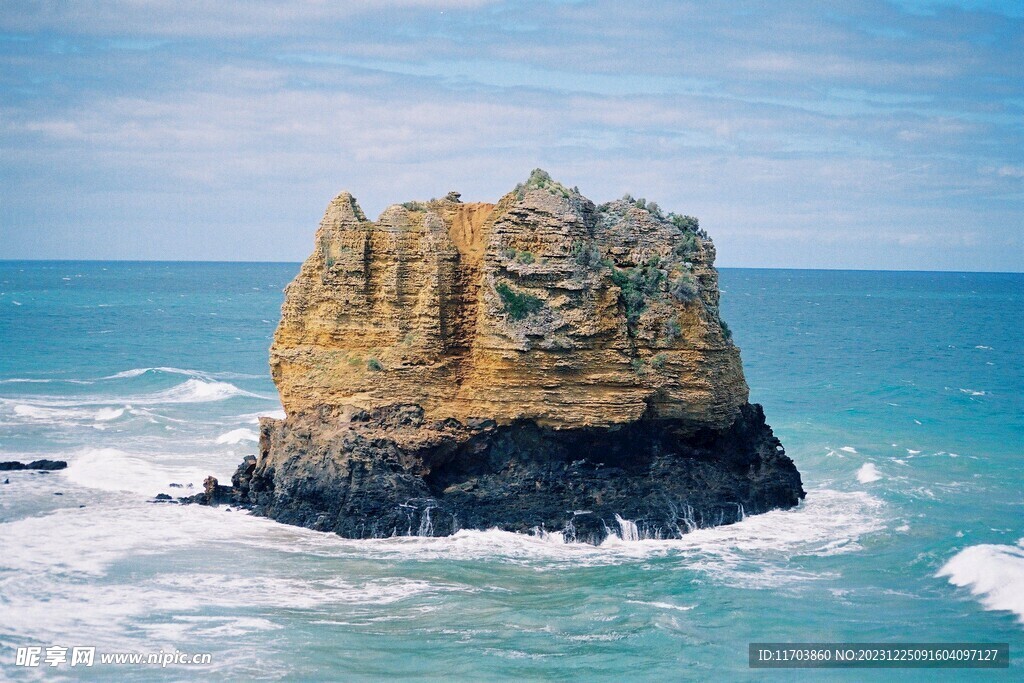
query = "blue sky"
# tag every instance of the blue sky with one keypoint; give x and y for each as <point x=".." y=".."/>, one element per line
<point x="861" y="134"/>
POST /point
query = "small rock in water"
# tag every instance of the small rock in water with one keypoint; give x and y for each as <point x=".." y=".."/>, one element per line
<point x="43" y="465"/>
<point x="213" y="494"/>
<point x="175" y="486"/>
<point x="47" y="465"/>
<point x="57" y="493"/>
<point x="162" y="498"/>
<point x="7" y="481"/>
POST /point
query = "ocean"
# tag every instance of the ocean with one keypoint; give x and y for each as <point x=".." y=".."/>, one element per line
<point x="898" y="394"/>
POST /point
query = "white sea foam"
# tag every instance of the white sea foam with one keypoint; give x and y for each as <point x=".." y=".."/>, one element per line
<point x="868" y="473"/>
<point x="58" y="555"/>
<point x="973" y="392"/>
<point x="33" y="412"/>
<point x="237" y="436"/>
<point x="993" y="573"/>
<point x="254" y="418"/>
<point x="627" y="530"/>
<point x="754" y="553"/>
<point x="183" y="626"/>
<point x="36" y="380"/>
<point x="663" y="605"/>
<point x="128" y="374"/>
<point x="110" y="469"/>
<point x="106" y="414"/>
<point x="65" y="416"/>
<point x="299" y="592"/>
<point x="89" y="540"/>
<point x="848" y="449"/>
<point x="50" y="563"/>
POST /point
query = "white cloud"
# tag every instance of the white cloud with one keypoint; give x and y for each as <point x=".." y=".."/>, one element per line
<point x="839" y="148"/>
<point x="1008" y="171"/>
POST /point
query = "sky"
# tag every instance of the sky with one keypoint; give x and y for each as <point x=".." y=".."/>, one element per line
<point x="868" y="134"/>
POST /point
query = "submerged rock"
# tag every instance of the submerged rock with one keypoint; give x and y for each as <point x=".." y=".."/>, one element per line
<point x="541" y="363"/>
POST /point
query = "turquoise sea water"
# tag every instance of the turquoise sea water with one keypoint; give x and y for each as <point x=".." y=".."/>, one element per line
<point x="897" y="394"/>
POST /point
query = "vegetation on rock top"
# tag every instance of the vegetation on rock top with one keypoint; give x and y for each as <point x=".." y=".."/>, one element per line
<point x="540" y="180"/>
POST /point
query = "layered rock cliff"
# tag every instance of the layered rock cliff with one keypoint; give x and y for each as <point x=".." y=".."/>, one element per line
<point x="542" y="362"/>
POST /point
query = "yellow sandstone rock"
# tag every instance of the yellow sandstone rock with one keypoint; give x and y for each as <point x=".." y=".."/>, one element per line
<point x="542" y="307"/>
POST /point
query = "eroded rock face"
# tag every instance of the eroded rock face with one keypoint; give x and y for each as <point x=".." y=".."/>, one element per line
<point x="542" y="307"/>
<point x="538" y="363"/>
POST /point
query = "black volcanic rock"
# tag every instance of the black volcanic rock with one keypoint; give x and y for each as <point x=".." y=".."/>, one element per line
<point x="383" y="474"/>
<point x="46" y="465"/>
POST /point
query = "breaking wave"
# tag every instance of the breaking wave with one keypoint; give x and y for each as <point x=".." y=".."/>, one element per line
<point x="111" y="469"/>
<point x="196" y="391"/>
<point x="237" y="436"/>
<point x="63" y="408"/>
<point x="868" y="473"/>
<point x="138" y="372"/>
<point x="993" y="573"/>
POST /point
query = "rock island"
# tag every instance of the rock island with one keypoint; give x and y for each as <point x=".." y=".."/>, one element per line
<point x="539" y="364"/>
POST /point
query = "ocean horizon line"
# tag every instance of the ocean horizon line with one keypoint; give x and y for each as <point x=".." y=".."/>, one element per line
<point x="299" y="263"/>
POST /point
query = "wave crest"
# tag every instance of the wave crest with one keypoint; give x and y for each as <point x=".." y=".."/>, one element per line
<point x="237" y="436"/>
<point x="65" y="410"/>
<point x="993" y="573"/>
<point x="200" y="374"/>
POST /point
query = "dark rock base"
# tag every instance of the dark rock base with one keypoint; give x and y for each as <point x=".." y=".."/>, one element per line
<point x="387" y="474"/>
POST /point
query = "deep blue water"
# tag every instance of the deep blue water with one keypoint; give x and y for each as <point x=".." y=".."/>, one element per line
<point x="897" y="394"/>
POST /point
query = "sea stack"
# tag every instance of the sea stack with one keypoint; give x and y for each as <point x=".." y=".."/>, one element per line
<point x="542" y="363"/>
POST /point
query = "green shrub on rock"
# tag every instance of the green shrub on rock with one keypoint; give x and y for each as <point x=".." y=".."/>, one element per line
<point x="517" y="305"/>
<point x="587" y="255"/>
<point x="637" y="285"/>
<point x="684" y="289"/>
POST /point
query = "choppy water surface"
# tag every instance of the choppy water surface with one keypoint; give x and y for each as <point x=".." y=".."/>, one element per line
<point x="898" y="395"/>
